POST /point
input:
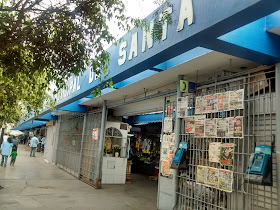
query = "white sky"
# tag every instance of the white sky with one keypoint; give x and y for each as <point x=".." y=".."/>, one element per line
<point x="135" y="9"/>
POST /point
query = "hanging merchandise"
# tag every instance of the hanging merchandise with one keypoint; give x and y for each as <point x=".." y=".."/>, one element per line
<point x="259" y="169"/>
<point x="199" y="126"/>
<point x="222" y="128"/>
<point x="225" y="180"/>
<point x="201" y="174"/>
<point x="214" y="152"/>
<point x="210" y="128"/>
<point x="212" y="178"/>
<point x="168" y="125"/>
<point x="211" y="103"/>
<point x="236" y="99"/>
<point x="94" y="134"/>
<point x="167" y="153"/>
<point x="182" y="107"/>
<point x="169" y="111"/>
<point x="227" y="154"/>
<point x="189" y="124"/>
<point x="231" y="100"/>
<point x="222" y="101"/>
<point x="236" y="127"/>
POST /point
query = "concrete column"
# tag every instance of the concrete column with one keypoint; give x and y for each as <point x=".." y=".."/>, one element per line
<point x="101" y="146"/>
<point x="177" y="131"/>
<point x="277" y="139"/>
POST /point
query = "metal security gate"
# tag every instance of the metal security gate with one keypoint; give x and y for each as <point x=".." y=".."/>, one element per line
<point x="259" y="115"/>
<point x="89" y="150"/>
<point x="69" y="143"/>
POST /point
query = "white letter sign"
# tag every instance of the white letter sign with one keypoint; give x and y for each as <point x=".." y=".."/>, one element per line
<point x="186" y="12"/>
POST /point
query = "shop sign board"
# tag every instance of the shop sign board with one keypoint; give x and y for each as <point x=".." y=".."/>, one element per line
<point x="192" y="22"/>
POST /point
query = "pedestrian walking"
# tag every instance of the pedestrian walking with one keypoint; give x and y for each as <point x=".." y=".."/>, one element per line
<point x="43" y="143"/>
<point x="15" y="143"/>
<point x="5" y="151"/>
<point x="13" y="156"/>
<point x="33" y="144"/>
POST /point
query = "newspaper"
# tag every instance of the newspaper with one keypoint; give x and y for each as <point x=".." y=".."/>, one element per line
<point x="168" y="125"/>
<point x="199" y="105"/>
<point x="169" y="111"/>
<point x="182" y="107"/>
<point x="189" y="124"/>
<point x="222" y="101"/>
<point x="236" y="127"/>
<point x="211" y="103"/>
<point x="201" y="174"/>
<point x="199" y="125"/>
<point x="227" y="154"/>
<point x="225" y="180"/>
<point x="167" y="153"/>
<point x="214" y="152"/>
<point x="222" y="127"/>
<point x="211" y="128"/>
<point x="236" y="99"/>
<point x="212" y="177"/>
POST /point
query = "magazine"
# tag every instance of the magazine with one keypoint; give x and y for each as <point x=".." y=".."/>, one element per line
<point x="199" y="105"/>
<point x="182" y="107"/>
<point x="212" y="177"/>
<point x="214" y="152"/>
<point x="211" y="103"/>
<point x="189" y="124"/>
<point x="167" y="153"/>
<point x="222" y="101"/>
<point x="211" y="128"/>
<point x="199" y="125"/>
<point x="222" y="127"/>
<point x="168" y="125"/>
<point x="236" y="99"/>
<point x="236" y="127"/>
<point x="201" y="174"/>
<point x="227" y="154"/>
<point x="169" y="111"/>
<point x="225" y="180"/>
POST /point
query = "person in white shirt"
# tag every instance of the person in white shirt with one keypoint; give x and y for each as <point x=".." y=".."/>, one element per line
<point x="33" y="144"/>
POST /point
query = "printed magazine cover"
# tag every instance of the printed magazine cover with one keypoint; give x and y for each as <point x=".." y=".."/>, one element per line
<point x="227" y="154"/>
<point x="199" y="126"/>
<point x="225" y="180"/>
<point x="169" y="111"/>
<point x="236" y="127"/>
<point x="182" y="107"/>
<point x="212" y="177"/>
<point x="214" y="152"/>
<point x="167" y="152"/>
<point x="189" y="124"/>
<point x="201" y="174"/>
<point x="222" y="127"/>
<point x="199" y="105"/>
<point x="168" y="125"/>
<point x="211" y="128"/>
<point x="211" y="103"/>
<point x="236" y="99"/>
<point x="222" y="101"/>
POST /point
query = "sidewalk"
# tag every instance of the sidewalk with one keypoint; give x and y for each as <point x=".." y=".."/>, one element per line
<point x="34" y="184"/>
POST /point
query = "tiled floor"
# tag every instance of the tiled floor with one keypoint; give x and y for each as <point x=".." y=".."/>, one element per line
<point x="34" y="184"/>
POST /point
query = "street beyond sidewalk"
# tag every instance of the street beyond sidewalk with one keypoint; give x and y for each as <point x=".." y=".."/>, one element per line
<point x="35" y="184"/>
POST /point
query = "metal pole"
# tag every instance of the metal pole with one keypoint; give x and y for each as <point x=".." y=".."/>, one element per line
<point x="177" y="130"/>
<point x="277" y="139"/>
<point x="82" y="144"/>
<point x="101" y="146"/>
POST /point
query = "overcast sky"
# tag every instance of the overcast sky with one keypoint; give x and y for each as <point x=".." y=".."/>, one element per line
<point x="135" y="9"/>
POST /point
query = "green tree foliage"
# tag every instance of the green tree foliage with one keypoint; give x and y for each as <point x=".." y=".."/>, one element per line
<point x="43" y="41"/>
